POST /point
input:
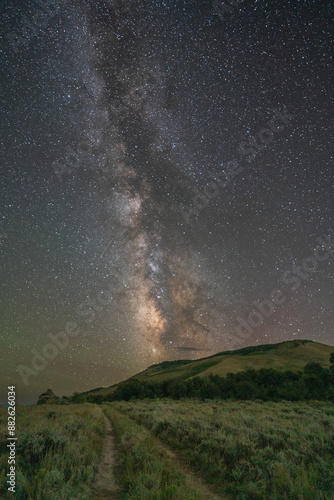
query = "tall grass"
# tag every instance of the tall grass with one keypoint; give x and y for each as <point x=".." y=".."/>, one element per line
<point x="244" y="450"/>
<point x="144" y="469"/>
<point x="58" y="449"/>
<point x="248" y="450"/>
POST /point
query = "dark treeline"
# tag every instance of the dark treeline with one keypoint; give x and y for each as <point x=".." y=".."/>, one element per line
<point x="313" y="382"/>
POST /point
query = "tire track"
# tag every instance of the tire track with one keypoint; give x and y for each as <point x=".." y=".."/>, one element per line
<point x="105" y="486"/>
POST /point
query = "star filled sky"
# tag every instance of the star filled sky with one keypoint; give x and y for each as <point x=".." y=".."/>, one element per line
<point x="167" y="165"/>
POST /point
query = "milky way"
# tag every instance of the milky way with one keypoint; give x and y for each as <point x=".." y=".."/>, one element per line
<point x="165" y="167"/>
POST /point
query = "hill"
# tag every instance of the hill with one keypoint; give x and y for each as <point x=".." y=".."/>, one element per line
<point x="290" y="355"/>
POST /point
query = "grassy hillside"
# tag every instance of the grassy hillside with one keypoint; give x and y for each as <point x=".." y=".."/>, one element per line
<point x="290" y="355"/>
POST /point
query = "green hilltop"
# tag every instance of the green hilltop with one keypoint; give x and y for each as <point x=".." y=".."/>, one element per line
<point x="290" y="355"/>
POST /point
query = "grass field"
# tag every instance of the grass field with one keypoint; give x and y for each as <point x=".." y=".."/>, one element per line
<point x="144" y="470"/>
<point x="248" y="450"/>
<point x="174" y="450"/>
<point x="58" y="449"/>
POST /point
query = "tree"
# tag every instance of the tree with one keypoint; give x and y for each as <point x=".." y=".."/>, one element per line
<point x="315" y="386"/>
<point x="130" y="389"/>
<point x="314" y="368"/>
<point x="246" y="390"/>
<point x="208" y="390"/>
<point x="95" y="398"/>
<point x="331" y="360"/>
<point x="78" y="398"/>
<point x="331" y="369"/>
<point x="194" y="386"/>
<point x="178" y="389"/>
<point x="292" y="391"/>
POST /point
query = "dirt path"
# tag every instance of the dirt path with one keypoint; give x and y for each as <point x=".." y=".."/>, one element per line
<point x="192" y="481"/>
<point x="105" y="487"/>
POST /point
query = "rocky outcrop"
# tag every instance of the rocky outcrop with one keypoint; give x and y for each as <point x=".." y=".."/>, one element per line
<point x="49" y="397"/>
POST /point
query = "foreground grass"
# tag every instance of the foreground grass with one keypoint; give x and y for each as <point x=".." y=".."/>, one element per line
<point x="247" y="450"/>
<point x="58" y="449"/>
<point x="144" y="470"/>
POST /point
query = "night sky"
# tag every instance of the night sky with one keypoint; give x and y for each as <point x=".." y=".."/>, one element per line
<point x="167" y="164"/>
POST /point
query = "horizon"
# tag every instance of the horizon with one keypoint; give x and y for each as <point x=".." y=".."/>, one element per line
<point x="29" y="403"/>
